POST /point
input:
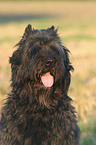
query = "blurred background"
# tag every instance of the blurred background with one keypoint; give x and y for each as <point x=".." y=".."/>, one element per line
<point x="76" y="22"/>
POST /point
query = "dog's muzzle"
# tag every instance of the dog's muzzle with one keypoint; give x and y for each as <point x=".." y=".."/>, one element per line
<point x="47" y="78"/>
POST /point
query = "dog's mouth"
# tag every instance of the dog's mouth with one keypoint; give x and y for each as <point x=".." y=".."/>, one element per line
<point x="47" y="79"/>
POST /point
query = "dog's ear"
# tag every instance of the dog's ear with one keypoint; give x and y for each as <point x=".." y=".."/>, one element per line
<point x="27" y="32"/>
<point x="16" y="57"/>
<point x="52" y="28"/>
<point x="67" y="61"/>
<point x="28" y="29"/>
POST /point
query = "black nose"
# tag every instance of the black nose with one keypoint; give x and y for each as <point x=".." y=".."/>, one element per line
<point x="50" y="62"/>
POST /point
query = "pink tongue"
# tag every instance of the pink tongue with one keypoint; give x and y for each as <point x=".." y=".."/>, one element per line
<point x="47" y="79"/>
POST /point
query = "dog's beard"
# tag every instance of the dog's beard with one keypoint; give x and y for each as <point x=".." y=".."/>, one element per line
<point x="45" y="86"/>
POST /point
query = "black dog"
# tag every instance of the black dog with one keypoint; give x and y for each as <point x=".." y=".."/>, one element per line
<point x="38" y="110"/>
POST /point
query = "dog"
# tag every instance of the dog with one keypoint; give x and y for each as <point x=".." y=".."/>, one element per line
<point x="38" y="110"/>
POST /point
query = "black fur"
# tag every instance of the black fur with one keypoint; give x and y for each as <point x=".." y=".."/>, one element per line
<point x="34" y="114"/>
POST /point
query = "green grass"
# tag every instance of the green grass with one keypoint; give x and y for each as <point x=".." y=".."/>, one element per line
<point x="88" y="136"/>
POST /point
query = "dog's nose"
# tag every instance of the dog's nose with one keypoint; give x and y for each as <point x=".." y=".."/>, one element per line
<point x="50" y="62"/>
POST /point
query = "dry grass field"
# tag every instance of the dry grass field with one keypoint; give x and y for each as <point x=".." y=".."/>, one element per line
<point x="77" y="29"/>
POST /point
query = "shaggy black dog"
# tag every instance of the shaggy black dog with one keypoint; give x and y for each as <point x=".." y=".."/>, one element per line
<point x="38" y="110"/>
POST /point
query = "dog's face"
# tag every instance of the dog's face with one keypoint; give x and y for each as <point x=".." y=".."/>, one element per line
<point x="42" y="59"/>
<point x="45" y="56"/>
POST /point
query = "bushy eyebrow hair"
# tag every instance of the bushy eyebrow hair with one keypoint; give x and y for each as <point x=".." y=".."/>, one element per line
<point x="35" y="49"/>
<point x="55" y="49"/>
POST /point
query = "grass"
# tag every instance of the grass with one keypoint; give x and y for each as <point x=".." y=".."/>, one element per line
<point x="88" y="136"/>
<point x="77" y="29"/>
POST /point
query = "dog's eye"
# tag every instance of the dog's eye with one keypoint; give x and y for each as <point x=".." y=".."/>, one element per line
<point x="35" y="50"/>
<point x="55" y="49"/>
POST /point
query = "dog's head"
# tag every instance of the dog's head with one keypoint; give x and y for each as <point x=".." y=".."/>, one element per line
<point x="42" y="59"/>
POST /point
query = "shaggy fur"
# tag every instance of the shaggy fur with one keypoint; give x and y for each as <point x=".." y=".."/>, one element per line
<point x="35" y="114"/>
